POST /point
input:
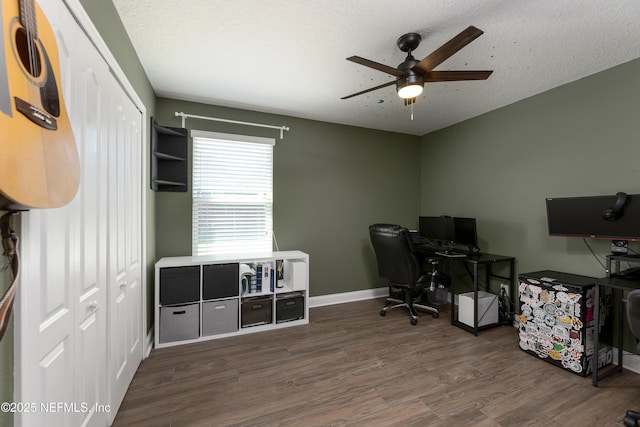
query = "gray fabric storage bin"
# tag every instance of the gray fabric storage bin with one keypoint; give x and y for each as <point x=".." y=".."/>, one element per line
<point x="219" y="317"/>
<point x="179" y="322"/>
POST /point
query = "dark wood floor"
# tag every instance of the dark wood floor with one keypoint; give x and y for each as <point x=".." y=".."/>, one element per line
<point x="350" y="366"/>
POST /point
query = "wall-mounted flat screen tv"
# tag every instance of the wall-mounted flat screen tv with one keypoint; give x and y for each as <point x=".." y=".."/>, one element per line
<point x="587" y="217"/>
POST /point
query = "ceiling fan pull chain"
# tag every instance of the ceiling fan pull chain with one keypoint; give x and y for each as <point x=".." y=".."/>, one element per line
<point x="412" y="110"/>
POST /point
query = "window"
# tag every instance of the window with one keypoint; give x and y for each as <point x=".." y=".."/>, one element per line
<point x="232" y="193"/>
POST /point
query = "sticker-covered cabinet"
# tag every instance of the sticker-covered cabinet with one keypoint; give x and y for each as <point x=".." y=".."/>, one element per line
<point x="556" y="320"/>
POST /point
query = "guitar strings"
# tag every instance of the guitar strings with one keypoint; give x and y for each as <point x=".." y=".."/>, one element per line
<point x="29" y="24"/>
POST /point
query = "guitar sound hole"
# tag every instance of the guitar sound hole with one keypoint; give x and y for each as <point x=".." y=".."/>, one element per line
<point x="28" y="53"/>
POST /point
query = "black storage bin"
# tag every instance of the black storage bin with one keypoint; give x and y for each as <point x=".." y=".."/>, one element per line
<point x="289" y="306"/>
<point x="179" y="285"/>
<point x="256" y="311"/>
<point x="220" y="281"/>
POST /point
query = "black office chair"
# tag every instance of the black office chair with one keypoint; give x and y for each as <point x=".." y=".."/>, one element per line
<point x="632" y="417"/>
<point x="399" y="265"/>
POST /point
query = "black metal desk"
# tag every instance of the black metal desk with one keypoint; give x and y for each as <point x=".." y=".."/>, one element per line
<point x="620" y="285"/>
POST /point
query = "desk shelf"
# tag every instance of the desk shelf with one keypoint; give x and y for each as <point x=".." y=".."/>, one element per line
<point x="618" y="284"/>
<point x="475" y="263"/>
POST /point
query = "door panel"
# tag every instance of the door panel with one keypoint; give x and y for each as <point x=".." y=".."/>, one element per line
<point x="124" y="267"/>
<point x="79" y="305"/>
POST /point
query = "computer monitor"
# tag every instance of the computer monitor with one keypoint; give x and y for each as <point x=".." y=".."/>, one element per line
<point x="592" y="217"/>
<point x="466" y="233"/>
<point x="437" y="229"/>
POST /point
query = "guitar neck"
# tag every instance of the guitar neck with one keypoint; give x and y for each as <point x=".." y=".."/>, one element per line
<point x="28" y="18"/>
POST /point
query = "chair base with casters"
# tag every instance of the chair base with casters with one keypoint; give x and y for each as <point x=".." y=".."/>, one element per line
<point x="401" y="296"/>
<point x="631" y="418"/>
<point x="438" y="284"/>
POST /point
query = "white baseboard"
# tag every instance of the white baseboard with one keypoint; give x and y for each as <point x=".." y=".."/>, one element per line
<point x="148" y="345"/>
<point x="630" y="361"/>
<point x="343" y="297"/>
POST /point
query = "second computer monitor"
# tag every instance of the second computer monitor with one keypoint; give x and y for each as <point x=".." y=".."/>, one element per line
<point x="437" y="228"/>
<point x="450" y="231"/>
<point x="465" y="232"/>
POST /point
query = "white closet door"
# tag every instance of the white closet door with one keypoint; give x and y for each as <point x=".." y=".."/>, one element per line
<point x="79" y="332"/>
<point x="124" y="212"/>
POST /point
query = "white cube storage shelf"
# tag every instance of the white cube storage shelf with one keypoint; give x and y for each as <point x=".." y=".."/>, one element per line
<point x="208" y="297"/>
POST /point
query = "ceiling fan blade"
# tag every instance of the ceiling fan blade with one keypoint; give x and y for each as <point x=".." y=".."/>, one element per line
<point x="369" y="90"/>
<point x="377" y="66"/>
<point x="445" y="51"/>
<point x="452" y="76"/>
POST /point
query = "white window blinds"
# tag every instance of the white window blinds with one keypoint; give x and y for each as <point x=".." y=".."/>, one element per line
<point x="232" y="193"/>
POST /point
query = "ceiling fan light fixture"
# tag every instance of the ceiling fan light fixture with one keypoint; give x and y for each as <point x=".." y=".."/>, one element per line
<point x="410" y="86"/>
<point x="410" y="91"/>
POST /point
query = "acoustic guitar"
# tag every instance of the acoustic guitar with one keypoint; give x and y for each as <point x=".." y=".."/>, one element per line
<point x="39" y="164"/>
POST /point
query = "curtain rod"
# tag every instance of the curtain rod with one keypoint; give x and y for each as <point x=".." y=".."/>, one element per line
<point x="185" y="116"/>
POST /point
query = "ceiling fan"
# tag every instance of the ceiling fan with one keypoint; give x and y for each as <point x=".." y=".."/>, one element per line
<point x="411" y="75"/>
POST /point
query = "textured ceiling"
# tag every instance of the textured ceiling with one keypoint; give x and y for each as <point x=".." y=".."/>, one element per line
<point x="288" y="56"/>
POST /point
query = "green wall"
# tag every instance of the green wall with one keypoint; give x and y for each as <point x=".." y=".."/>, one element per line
<point x="580" y="139"/>
<point x="330" y="183"/>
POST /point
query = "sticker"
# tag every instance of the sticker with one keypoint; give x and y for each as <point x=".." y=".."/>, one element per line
<point x="548" y="279"/>
<point x="550" y="309"/>
<point x="545" y="296"/>
<point x="564" y="319"/>
<point x="533" y="281"/>
<point x="535" y="290"/>
<point x="554" y="354"/>
<point x="576" y="323"/>
<point x="544" y="329"/>
<point x="574" y="298"/>
<point x="560" y="331"/>
<point x="559" y="288"/>
<point x="549" y="320"/>
<point x="575" y="366"/>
